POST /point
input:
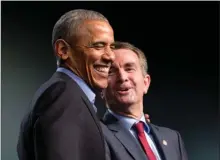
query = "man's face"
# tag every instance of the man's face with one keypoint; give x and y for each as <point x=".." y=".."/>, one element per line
<point x="92" y="53"/>
<point x="126" y="82"/>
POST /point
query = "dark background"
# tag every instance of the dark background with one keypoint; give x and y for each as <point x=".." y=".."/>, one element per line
<point x="180" y="40"/>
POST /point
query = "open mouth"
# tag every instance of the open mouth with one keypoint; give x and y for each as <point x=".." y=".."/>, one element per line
<point x="123" y="90"/>
<point x="102" y="70"/>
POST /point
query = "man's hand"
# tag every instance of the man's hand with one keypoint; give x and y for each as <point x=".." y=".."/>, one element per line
<point x="147" y="117"/>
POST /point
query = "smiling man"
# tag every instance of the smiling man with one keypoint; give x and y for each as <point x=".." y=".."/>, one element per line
<point x="137" y="139"/>
<point x="62" y="123"/>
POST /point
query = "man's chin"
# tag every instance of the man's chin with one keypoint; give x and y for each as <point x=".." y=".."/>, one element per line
<point x="99" y="86"/>
<point x="125" y="101"/>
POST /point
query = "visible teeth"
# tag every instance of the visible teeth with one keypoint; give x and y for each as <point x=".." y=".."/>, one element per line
<point x="102" y="69"/>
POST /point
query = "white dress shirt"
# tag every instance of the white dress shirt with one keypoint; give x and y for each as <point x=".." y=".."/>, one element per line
<point x="128" y="122"/>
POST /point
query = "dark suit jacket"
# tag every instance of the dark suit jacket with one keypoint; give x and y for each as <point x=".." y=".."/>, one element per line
<point x="126" y="147"/>
<point x="61" y="125"/>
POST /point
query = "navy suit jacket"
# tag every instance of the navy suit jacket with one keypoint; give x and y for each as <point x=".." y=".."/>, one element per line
<point x="61" y="125"/>
<point x="126" y="147"/>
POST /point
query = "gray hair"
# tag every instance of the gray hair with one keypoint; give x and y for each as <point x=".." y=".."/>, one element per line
<point x="139" y="52"/>
<point x="68" y="24"/>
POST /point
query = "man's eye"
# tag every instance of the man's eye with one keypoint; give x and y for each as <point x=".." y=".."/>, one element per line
<point x="129" y="69"/>
<point x="112" y="46"/>
<point x="99" y="46"/>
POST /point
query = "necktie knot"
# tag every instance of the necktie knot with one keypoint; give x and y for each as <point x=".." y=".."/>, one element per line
<point x="139" y="127"/>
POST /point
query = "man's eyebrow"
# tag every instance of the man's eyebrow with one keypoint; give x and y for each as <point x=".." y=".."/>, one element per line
<point x="93" y="44"/>
<point x="97" y="42"/>
<point x="130" y="64"/>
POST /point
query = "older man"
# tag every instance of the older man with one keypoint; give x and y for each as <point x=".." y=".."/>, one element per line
<point x="127" y="83"/>
<point x="62" y="122"/>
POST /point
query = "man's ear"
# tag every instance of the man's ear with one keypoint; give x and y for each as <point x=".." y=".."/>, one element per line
<point x="147" y="81"/>
<point x="62" y="49"/>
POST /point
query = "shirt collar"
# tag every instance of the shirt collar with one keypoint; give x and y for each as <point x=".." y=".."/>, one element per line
<point x="128" y="122"/>
<point x="89" y="93"/>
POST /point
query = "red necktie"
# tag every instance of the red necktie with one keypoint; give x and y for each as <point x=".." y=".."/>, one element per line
<point x="141" y="136"/>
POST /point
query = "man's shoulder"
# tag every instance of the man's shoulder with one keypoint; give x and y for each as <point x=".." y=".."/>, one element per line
<point x="50" y="86"/>
<point x="58" y="82"/>
<point x="53" y="88"/>
<point x="163" y="130"/>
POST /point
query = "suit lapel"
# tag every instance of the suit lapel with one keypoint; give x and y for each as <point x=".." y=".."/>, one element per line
<point x="91" y="110"/>
<point x="161" y="142"/>
<point x="130" y="144"/>
<point x="83" y="95"/>
<point x="124" y="136"/>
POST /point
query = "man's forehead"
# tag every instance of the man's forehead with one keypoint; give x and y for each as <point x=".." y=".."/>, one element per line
<point x="124" y="51"/>
<point x="96" y="31"/>
<point x="124" y="62"/>
<point x="125" y="55"/>
<point x="100" y="25"/>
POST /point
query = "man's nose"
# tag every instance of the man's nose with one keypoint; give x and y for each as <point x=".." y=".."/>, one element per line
<point x="122" y="76"/>
<point x="109" y="55"/>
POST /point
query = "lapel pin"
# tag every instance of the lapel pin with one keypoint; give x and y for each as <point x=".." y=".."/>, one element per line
<point x="165" y="142"/>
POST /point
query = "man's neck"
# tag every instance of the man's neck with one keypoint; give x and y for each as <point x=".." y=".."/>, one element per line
<point x="77" y="73"/>
<point x="135" y="112"/>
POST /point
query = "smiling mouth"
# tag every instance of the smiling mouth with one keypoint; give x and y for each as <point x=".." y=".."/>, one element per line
<point x="123" y="91"/>
<point x="102" y="70"/>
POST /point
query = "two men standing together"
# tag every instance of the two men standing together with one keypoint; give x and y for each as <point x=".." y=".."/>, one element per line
<point x="63" y="125"/>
